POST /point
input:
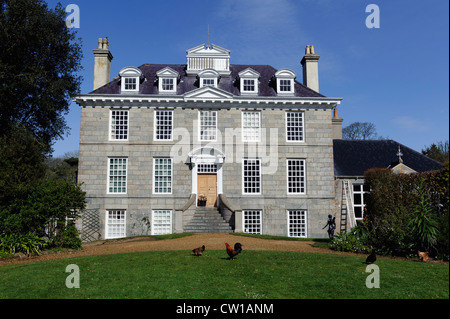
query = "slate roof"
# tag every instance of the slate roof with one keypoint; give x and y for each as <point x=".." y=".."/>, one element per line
<point x="354" y="157"/>
<point x="267" y="84"/>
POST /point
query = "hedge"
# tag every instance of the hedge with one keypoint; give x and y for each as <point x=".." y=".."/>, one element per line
<point x="404" y="213"/>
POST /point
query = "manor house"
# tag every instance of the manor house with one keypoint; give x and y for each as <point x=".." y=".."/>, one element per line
<point x="211" y="146"/>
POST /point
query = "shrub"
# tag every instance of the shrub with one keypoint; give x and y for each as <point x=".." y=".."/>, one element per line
<point x="17" y="243"/>
<point x="45" y="211"/>
<point x="69" y="238"/>
<point x="351" y="241"/>
<point x="406" y="212"/>
<point x="423" y="223"/>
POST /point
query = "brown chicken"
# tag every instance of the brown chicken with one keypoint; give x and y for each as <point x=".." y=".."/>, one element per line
<point x="233" y="252"/>
<point x="423" y="255"/>
<point x="198" y="251"/>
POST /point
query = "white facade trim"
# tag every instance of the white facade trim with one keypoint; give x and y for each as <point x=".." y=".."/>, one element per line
<point x="227" y="100"/>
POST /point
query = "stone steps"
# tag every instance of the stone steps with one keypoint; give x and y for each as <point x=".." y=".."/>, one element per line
<point x="207" y="220"/>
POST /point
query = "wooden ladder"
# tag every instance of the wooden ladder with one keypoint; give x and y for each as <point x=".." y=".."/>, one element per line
<point x="347" y="212"/>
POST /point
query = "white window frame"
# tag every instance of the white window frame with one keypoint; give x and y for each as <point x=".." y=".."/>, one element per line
<point x="155" y="126"/>
<point x="290" y="174"/>
<point x="161" y="84"/>
<point x="247" y="130"/>
<point x="113" y="135"/>
<point x="249" y="75"/>
<point x="164" y="74"/>
<point x="130" y="73"/>
<point x="108" y="183"/>
<point x="113" y="222"/>
<point x="213" y="80"/>
<point x="251" y="217"/>
<point x="156" y="223"/>
<point x="299" y="226"/>
<point x="124" y="84"/>
<point x="243" y="86"/>
<point x="359" y="192"/>
<point x="288" y="75"/>
<point x="281" y="84"/>
<point x="208" y="74"/>
<point x="200" y="135"/>
<point x="169" y="177"/>
<point x="301" y="128"/>
<point x="207" y="168"/>
<point x="244" y="188"/>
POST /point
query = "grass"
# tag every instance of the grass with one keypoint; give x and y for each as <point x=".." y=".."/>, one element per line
<point x="253" y="275"/>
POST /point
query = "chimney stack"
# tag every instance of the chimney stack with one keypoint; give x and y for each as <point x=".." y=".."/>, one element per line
<point x="310" y="64"/>
<point x="336" y="122"/>
<point x="102" y="63"/>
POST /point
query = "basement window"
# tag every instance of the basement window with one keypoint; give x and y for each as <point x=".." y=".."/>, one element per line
<point x="115" y="224"/>
<point x="297" y="223"/>
<point x="161" y="222"/>
<point x="252" y="221"/>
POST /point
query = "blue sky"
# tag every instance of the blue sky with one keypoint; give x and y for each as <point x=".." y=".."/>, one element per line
<point x="396" y="76"/>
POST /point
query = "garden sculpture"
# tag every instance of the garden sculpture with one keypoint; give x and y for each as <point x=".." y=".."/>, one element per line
<point x="331" y="223"/>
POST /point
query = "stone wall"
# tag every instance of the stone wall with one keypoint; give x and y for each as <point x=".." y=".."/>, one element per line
<point x="273" y="150"/>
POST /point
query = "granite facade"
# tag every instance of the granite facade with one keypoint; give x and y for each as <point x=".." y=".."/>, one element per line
<point x="273" y="150"/>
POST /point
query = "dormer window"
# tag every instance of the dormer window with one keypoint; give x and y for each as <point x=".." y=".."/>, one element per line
<point x="285" y="82"/>
<point x="130" y="84"/>
<point x="208" y="77"/>
<point x="167" y="85"/>
<point x="167" y="80"/>
<point x="248" y="81"/>
<point x="208" y="82"/>
<point x="130" y="79"/>
<point x="248" y="86"/>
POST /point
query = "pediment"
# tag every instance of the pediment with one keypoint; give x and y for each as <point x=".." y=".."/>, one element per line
<point x="130" y="71"/>
<point x="402" y="169"/>
<point x="167" y="72"/>
<point x="208" y="92"/>
<point x="203" y="50"/>
<point x="285" y="73"/>
<point x="249" y="73"/>
<point x="208" y="73"/>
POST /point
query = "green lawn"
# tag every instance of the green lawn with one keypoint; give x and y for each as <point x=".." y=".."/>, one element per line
<point x="254" y="274"/>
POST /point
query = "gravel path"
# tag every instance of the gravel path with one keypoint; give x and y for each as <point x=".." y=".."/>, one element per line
<point x="211" y="242"/>
<point x="140" y="244"/>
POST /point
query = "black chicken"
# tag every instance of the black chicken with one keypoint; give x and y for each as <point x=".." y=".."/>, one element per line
<point x="371" y="258"/>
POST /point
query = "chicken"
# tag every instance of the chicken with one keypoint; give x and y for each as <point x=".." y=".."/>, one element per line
<point x="371" y="258"/>
<point x="423" y="255"/>
<point x="233" y="252"/>
<point x="198" y="251"/>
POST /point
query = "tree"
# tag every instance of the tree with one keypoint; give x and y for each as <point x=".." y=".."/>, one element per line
<point x="438" y="151"/>
<point x="39" y="61"/>
<point x="359" y="131"/>
<point x="46" y="212"/>
<point x="64" y="167"/>
<point x="21" y="165"/>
